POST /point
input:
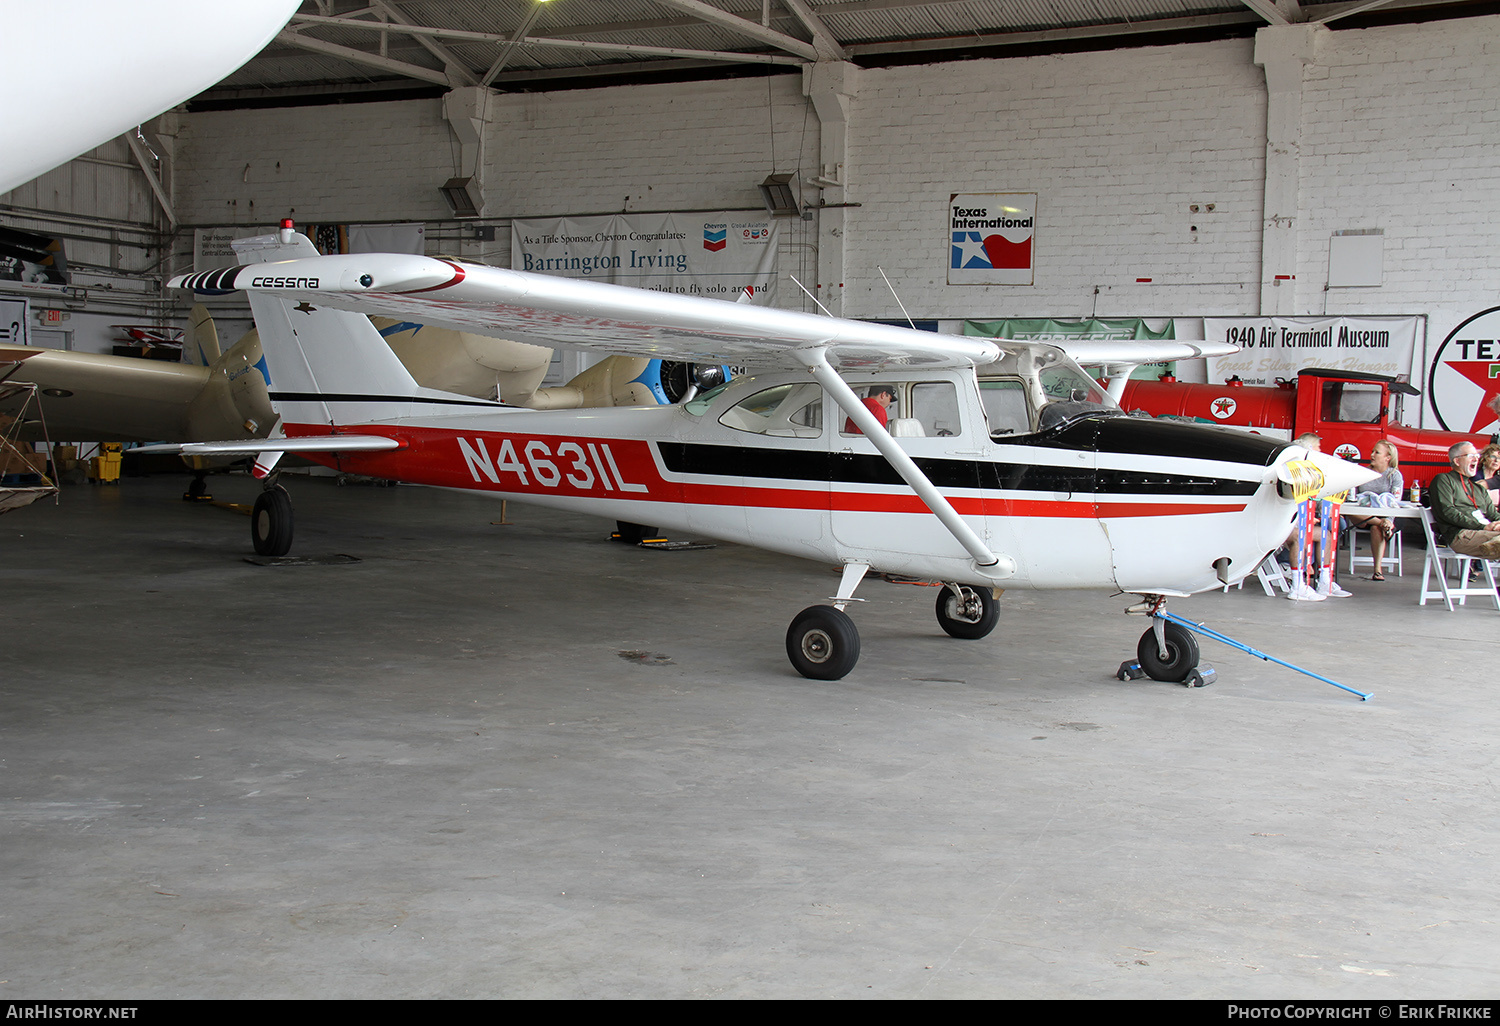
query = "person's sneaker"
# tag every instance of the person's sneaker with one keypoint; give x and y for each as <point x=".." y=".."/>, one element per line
<point x="1328" y="587"/>
<point x="1300" y="591"/>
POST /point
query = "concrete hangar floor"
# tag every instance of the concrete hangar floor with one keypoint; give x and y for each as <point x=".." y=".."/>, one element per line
<point x="521" y="761"/>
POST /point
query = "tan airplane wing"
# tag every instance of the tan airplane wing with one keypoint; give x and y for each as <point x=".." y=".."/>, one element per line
<point x="90" y="396"/>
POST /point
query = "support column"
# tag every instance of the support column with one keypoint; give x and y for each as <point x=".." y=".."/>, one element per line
<point x="468" y="112"/>
<point x="831" y="86"/>
<point x="1284" y="51"/>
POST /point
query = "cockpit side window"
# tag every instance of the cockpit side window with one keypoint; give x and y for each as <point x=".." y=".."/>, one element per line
<point x="792" y="411"/>
<point x="1005" y="406"/>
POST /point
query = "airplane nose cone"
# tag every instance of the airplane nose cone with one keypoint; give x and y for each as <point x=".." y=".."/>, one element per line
<point x="1301" y="474"/>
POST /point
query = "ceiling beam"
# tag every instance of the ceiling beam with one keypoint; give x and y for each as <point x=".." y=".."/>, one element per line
<point x="452" y="63"/>
<point x="1268" y="10"/>
<point x="735" y="23"/>
<point x="293" y="38"/>
<point x="1053" y="36"/>
<point x="667" y="51"/>
<point x="1358" y="7"/>
<point x="829" y="48"/>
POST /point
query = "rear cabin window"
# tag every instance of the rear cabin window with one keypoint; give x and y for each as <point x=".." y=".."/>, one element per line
<point x="934" y="407"/>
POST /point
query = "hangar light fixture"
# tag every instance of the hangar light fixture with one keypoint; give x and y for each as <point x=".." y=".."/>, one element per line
<point x="463" y="196"/>
<point x="777" y="193"/>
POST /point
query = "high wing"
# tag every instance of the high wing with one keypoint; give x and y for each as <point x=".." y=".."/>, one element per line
<point x="566" y="313"/>
<point x="1126" y="352"/>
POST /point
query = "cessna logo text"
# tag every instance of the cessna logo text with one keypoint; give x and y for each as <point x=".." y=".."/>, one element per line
<point x="586" y="466"/>
<point x="284" y="283"/>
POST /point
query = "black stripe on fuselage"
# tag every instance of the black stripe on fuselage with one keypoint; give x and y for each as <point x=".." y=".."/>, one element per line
<point x="867" y="469"/>
<point x="1144" y="437"/>
<point x="1104" y="435"/>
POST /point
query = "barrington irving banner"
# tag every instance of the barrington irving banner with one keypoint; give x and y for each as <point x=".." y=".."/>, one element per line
<point x="716" y="255"/>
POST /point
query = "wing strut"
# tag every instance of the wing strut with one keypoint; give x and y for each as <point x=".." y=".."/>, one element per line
<point x="816" y="361"/>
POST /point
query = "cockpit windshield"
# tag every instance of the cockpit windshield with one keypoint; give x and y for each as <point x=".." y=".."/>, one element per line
<point x="1037" y="388"/>
<point x="1070" y="394"/>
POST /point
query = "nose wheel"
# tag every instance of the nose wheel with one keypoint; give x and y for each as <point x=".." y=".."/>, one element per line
<point x="1181" y="653"/>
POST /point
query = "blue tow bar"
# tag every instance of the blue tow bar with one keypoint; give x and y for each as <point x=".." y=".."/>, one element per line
<point x="1210" y="633"/>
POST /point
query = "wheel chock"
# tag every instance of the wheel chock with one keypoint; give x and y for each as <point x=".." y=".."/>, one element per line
<point x="1198" y="676"/>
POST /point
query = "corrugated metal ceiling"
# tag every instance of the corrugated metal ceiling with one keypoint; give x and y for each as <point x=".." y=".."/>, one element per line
<point x="353" y="47"/>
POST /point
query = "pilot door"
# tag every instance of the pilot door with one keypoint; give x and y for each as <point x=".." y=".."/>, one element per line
<point x="780" y="454"/>
<point x="872" y="508"/>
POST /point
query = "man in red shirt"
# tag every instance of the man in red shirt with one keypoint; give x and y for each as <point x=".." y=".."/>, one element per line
<point x="878" y="402"/>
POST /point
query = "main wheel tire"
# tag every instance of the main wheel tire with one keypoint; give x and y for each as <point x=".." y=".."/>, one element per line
<point x="197" y="490"/>
<point x="271" y="523"/>
<point x="823" y="643"/>
<point x="633" y="534"/>
<point x="951" y="616"/>
<point x="1182" y="654"/>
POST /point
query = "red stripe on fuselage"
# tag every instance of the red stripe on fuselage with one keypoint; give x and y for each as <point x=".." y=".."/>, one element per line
<point x="458" y="275"/>
<point x="626" y="468"/>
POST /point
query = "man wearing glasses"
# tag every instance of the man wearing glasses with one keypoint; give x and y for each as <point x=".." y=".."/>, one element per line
<point x="1463" y="513"/>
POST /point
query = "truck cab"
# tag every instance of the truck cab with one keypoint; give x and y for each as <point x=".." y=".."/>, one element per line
<point x="1349" y="410"/>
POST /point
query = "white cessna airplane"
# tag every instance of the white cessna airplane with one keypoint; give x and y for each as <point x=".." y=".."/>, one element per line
<point x="1030" y="478"/>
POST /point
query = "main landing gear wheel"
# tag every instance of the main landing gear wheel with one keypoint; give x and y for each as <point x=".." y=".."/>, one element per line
<point x="823" y="643"/>
<point x="1182" y="654"/>
<point x="271" y="522"/>
<point x="970" y="614"/>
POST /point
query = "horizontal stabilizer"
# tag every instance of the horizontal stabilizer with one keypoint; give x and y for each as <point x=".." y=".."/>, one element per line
<point x="256" y="446"/>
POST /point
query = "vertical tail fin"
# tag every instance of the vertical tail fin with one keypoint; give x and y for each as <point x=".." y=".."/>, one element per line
<point x="202" y="346"/>
<point x="325" y="367"/>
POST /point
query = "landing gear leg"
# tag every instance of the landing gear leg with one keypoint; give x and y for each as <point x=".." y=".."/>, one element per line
<point x="822" y="642"/>
<point x="271" y="522"/>
<point x="1167" y="651"/>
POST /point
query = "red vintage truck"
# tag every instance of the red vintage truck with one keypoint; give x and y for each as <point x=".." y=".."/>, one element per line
<point x="1350" y="410"/>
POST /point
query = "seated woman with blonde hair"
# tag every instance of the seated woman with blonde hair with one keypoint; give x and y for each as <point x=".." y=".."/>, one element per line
<point x="1488" y="472"/>
<point x="1384" y="460"/>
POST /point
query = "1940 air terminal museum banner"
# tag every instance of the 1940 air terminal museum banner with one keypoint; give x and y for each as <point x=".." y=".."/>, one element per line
<point x="1278" y="347"/>
<point x="716" y="255"/>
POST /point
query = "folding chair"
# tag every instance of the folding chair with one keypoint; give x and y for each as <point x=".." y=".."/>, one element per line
<point x="1392" y="550"/>
<point x="1438" y="559"/>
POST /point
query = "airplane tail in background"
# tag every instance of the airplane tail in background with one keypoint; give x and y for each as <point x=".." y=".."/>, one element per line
<point x="202" y="344"/>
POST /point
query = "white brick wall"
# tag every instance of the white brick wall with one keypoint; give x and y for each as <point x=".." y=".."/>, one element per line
<point x="1403" y="134"/>
<point x="1401" y="127"/>
<point x="1115" y="144"/>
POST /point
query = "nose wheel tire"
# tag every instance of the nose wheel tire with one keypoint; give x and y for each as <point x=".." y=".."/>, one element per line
<point x="823" y="643"/>
<point x="271" y="523"/>
<point x="1182" y="654"/>
<point x="971" y="614"/>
